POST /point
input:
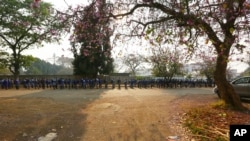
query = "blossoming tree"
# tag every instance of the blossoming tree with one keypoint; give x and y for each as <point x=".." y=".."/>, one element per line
<point x="26" y="24"/>
<point x="166" y="63"/>
<point x="223" y="23"/>
<point x="91" y="40"/>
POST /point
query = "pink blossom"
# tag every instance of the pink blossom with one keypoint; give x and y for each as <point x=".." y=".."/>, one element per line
<point x="97" y="15"/>
<point x="35" y="4"/>
<point x="85" y="52"/>
<point x="190" y="22"/>
<point x="71" y="37"/>
<point x="53" y="32"/>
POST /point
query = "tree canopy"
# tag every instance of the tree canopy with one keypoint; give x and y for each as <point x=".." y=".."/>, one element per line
<point x="133" y="62"/>
<point x="4" y="56"/>
<point x="166" y="62"/>
<point x="91" y="41"/>
<point x="224" y="24"/>
<point x="25" y="24"/>
<point x="41" y="67"/>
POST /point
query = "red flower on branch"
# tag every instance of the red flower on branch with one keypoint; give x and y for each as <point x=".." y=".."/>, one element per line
<point x="35" y="4"/>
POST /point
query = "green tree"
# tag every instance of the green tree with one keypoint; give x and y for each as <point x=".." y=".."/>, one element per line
<point x="133" y="62"/>
<point x="41" y="67"/>
<point x="222" y="22"/>
<point x="166" y="63"/>
<point x="91" y="41"/>
<point x="24" y="61"/>
<point x="4" y="57"/>
<point x="25" y="24"/>
<point x="207" y="65"/>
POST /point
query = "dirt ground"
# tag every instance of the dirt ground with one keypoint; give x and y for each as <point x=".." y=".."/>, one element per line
<point x="96" y="114"/>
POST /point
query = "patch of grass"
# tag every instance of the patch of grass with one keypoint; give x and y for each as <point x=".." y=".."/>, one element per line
<point x="219" y="104"/>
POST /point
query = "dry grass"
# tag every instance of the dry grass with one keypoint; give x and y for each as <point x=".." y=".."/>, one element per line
<point x="211" y="122"/>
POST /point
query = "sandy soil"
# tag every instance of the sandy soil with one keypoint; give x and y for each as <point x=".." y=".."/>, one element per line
<point x="97" y="114"/>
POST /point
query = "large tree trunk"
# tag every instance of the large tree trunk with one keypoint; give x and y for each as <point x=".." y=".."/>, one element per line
<point x="15" y="64"/>
<point x="16" y="71"/>
<point x="226" y="90"/>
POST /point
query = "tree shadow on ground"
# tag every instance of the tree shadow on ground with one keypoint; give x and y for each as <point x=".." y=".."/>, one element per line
<point x="28" y="117"/>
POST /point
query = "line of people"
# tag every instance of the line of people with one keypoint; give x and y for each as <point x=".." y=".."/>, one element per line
<point x="62" y="83"/>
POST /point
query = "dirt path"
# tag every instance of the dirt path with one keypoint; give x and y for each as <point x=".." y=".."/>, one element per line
<point x="89" y="115"/>
<point x="135" y="115"/>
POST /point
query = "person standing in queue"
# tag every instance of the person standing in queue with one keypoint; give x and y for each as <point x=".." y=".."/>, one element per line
<point x="119" y="83"/>
<point x="126" y="84"/>
<point x="113" y="83"/>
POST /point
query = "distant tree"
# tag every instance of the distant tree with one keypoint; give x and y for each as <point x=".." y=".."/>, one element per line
<point x="207" y="65"/>
<point x="166" y="63"/>
<point x="24" y="61"/>
<point x="4" y="59"/>
<point x="91" y="41"/>
<point x="5" y="71"/>
<point x="38" y="67"/>
<point x="133" y="62"/>
<point x="41" y="67"/>
<point x="26" y="24"/>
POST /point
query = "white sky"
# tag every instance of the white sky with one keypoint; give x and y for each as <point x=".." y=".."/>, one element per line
<point x="50" y="50"/>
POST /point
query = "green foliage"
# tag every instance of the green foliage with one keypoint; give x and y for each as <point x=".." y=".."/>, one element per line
<point x="167" y="70"/>
<point x="91" y="42"/>
<point x="189" y="76"/>
<point x="219" y="104"/>
<point x="4" y="71"/>
<point x="166" y="63"/>
<point x="23" y="26"/>
<point x="208" y="68"/>
<point x="149" y="31"/>
<point x="41" y="67"/>
<point x="26" y="60"/>
<point x="4" y="60"/>
<point x="4" y="57"/>
<point x="90" y="66"/>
